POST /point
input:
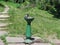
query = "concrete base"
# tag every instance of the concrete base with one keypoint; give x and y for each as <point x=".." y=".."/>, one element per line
<point x="16" y="44"/>
<point x="41" y="44"/>
<point x="20" y="41"/>
<point x="14" y="39"/>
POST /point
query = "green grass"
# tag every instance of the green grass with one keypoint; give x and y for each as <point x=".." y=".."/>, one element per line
<point x="43" y="25"/>
<point x="3" y="38"/>
<point x="1" y="9"/>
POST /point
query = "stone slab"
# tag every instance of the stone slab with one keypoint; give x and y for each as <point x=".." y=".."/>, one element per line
<point x="1" y="42"/>
<point x="14" y="39"/>
<point x="3" y="28"/>
<point x="55" y="41"/>
<point x="20" y="40"/>
<point x="3" y="24"/>
<point x="32" y="44"/>
<point x="3" y="19"/>
<point x="3" y="33"/>
<point x="57" y="44"/>
<point x="16" y="44"/>
<point x="41" y="44"/>
<point x="4" y="16"/>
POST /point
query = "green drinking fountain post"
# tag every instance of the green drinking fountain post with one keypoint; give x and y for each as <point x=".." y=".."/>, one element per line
<point x="28" y="29"/>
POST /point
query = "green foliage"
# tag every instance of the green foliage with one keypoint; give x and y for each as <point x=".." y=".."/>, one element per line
<point x="1" y="7"/>
<point x="44" y="23"/>
<point x="4" y="39"/>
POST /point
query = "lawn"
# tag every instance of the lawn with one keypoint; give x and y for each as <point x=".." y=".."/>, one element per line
<point x="43" y="25"/>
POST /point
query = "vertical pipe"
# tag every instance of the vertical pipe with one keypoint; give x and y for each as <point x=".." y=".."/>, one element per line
<point x="28" y="31"/>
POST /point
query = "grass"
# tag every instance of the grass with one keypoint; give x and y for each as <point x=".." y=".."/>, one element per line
<point x="44" y="25"/>
<point x="4" y="39"/>
<point x="1" y="8"/>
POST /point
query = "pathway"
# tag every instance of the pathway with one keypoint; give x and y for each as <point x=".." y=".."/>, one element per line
<point x="4" y="17"/>
<point x="3" y="26"/>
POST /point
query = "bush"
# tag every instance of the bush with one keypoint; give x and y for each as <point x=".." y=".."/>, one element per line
<point x="2" y="5"/>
